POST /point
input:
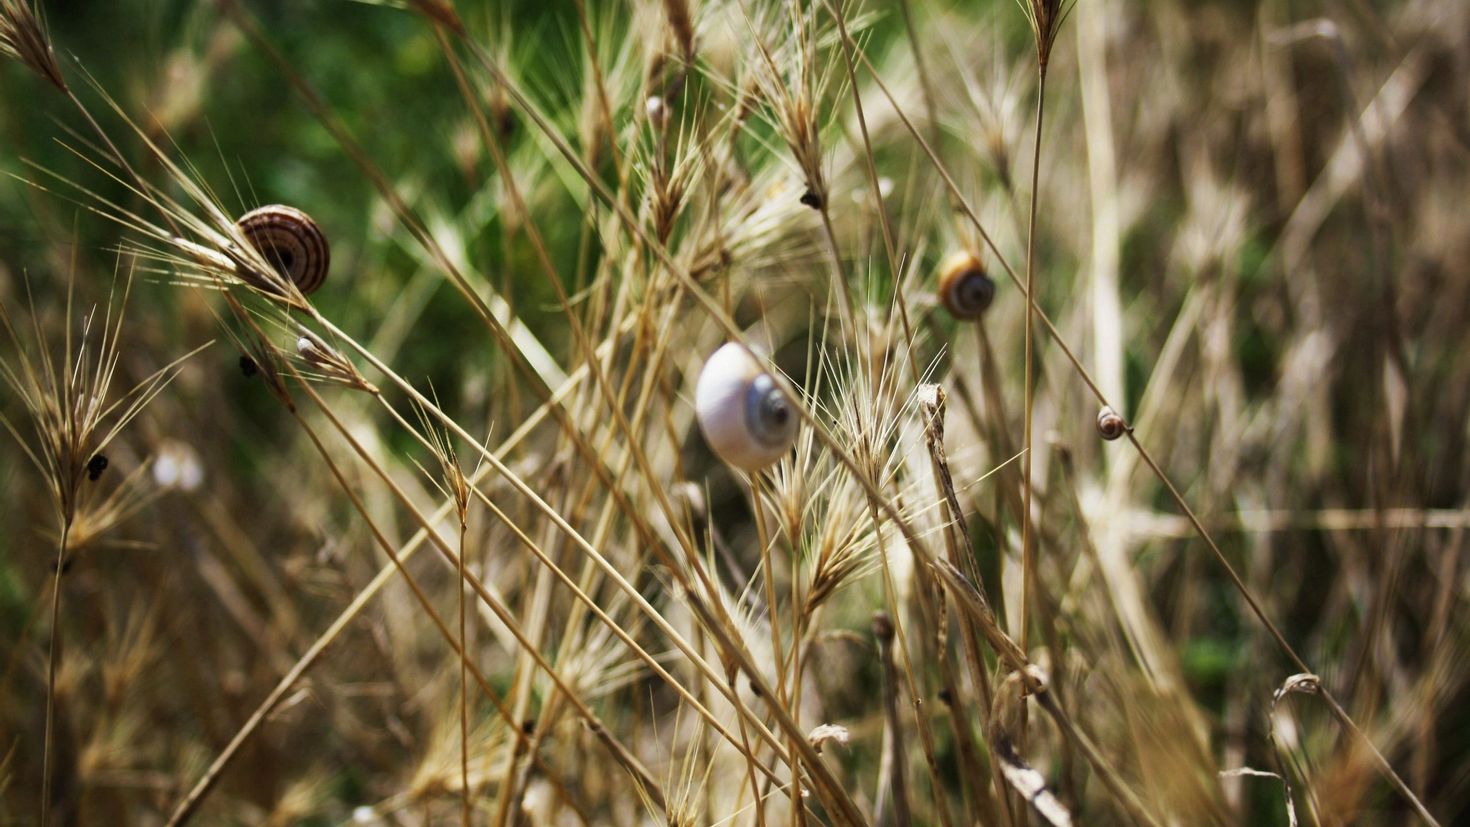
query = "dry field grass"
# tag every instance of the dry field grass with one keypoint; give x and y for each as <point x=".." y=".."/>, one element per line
<point x="425" y="498"/>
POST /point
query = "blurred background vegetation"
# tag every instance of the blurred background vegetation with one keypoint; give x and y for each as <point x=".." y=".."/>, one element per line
<point x="1292" y="319"/>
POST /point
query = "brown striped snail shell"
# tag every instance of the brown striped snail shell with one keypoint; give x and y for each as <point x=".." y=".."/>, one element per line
<point x="1110" y="425"/>
<point x="964" y="288"/>
<point x="291" y="242"/>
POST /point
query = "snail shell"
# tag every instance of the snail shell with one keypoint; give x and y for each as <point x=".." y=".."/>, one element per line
<point x="964" y="288"/>
<point x="744" y="416"/>
<point x="657" y="111"/>
<point x="291" y="241"/>
<point x="1110" y="425"/>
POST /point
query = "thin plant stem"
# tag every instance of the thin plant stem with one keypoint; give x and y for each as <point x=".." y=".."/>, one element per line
<point x="837" y="795"/>
<point x="871" y="167"/>
<point x="1097" y="393"/>
<point x="1332" y="704"/>
<point x="774" y="621"/>
<point x="309" y="658"/>
<point x="52" y="657"/>
<point x="581" y="595"/>
<point x="893" y="795"/>
<point x="757" y="801"/>
<point x="619" y="752"/>
<point x="1028" y="564"/>
<point x="464" y="719"/>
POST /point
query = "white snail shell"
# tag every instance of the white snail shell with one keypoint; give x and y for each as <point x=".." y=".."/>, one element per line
<point x="964" y="288"/>
<point x="657" y="111"/>
<point x="1110" y="425"/>
<point x="291" y="242"/>
<point x="745" y="418"/>
<point x="176" y="466"/>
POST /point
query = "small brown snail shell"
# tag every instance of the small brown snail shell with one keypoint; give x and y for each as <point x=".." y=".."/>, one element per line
<point x="291" y="241"/>
<point x="1110" y="425"/>
<point x="964" y="288"/>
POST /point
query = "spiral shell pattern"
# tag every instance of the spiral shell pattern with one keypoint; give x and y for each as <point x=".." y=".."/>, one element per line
<point x="743" y="414"/>
<point x="291" y="241"/>
<point x="1110" y="425"/>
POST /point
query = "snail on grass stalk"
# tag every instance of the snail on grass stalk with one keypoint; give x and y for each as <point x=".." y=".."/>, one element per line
<point x="744" y="416"/>
<point x="1110" y="424"/>
<point x="291" y="242"/>
<point x="964" y="288"/>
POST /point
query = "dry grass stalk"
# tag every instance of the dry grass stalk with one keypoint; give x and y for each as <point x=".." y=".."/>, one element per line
<point x="750" y="173"/>
<point x="74" y="418"/>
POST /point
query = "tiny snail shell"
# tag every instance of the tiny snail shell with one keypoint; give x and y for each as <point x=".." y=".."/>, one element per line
<point x="964" y="288"/>
<point x="657" y="111"/>
<point x="744" y="416"/>
<point x="291" y="241"/>
<point x="1110" y="425"/>
<point x="177" y="467"/>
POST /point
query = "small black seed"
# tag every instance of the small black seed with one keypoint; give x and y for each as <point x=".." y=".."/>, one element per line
<point x="945" y="697"/>
<point x="528" y="726"/>
<point x="95" y="466"/>
<point x="248" y="367"/>
<point x="811" y="199"/>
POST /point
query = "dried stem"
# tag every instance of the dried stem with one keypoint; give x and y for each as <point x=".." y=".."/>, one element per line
<point x="53" y="656"/>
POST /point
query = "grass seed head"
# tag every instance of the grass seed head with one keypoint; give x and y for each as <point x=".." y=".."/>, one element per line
<point x="23" y="36"/>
